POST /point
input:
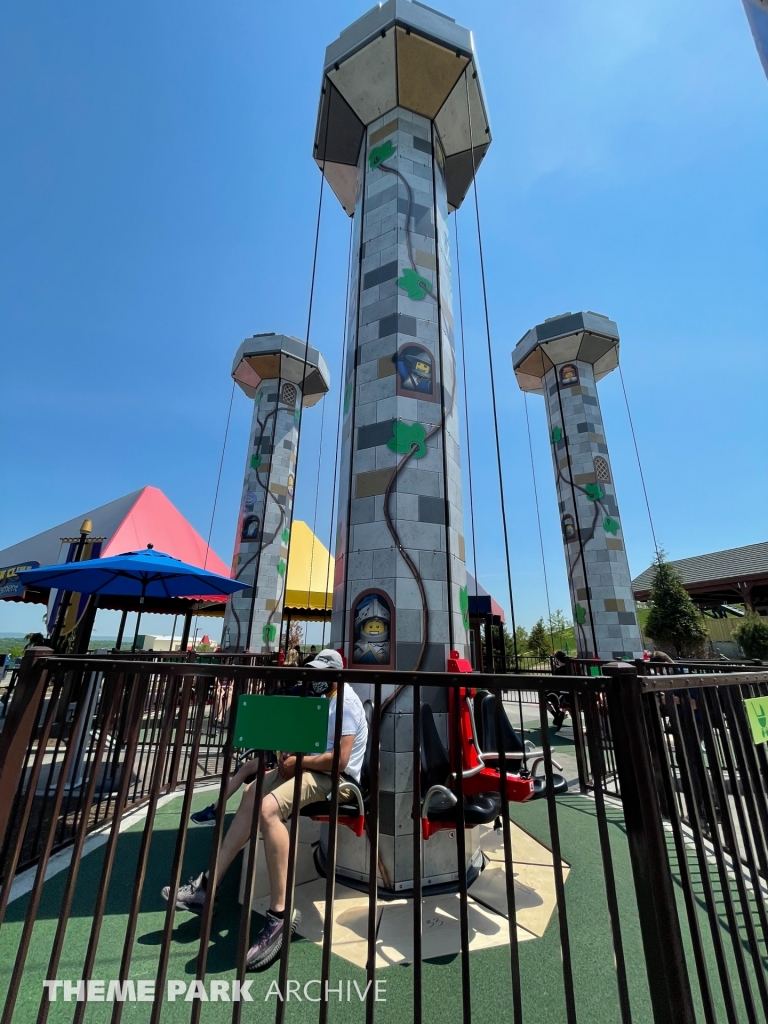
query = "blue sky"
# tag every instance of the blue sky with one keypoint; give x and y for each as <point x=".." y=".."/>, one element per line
<point x="160" y="202"/>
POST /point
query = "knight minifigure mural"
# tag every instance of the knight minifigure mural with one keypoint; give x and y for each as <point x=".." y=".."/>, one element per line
<point x="371" y="630"/>
<point x="414" y="372"/>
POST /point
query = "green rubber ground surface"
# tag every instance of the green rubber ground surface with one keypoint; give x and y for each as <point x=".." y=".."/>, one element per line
<point x="540" y="960"/>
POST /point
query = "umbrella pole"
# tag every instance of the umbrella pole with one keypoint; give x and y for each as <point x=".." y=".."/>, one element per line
<point x="138" y="617"/>
<point x="185" y="632"/>
<point x="121" y="630"/>
<point x="136" y="632"/>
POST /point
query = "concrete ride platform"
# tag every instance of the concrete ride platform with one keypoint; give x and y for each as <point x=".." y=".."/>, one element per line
<point x="488" y="927"/>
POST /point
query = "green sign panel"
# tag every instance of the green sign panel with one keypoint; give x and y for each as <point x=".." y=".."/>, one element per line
<point x="296" y="724"/>
<point x="757" y="716"/>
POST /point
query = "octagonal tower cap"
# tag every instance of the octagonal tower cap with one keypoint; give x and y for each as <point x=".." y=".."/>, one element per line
<point x="588" y="337"/>
<point x="401" y="54"/>
<point x="281" y="357"/>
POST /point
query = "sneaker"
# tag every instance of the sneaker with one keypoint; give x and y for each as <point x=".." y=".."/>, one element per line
<point x="269" y="942"/>
<point x="190" y="897"/>
<point x="205" y="817"/>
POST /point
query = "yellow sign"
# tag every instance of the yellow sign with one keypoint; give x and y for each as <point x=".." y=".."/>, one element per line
<point x="757" y="716"/>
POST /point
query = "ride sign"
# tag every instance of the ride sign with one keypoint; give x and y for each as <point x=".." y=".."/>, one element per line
<point x="757" y="716"/>
<point x="10" y="584"/>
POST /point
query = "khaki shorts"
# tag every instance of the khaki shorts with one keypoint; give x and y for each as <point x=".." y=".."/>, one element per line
<point x="315" y="786"/>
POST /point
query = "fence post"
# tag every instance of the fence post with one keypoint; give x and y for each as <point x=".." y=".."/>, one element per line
<point x="21" y="721"/>
<point x="665" y="962"/>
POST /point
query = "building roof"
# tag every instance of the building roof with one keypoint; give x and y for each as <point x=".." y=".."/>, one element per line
<point x="718" y="569"/>
<point x="129" y="523"/>
<point x="310" y="571"/>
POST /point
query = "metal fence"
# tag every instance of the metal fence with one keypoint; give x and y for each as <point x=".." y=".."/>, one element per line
<point x="99" y="736"/>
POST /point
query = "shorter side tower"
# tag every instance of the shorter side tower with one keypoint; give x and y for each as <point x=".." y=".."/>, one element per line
<point x="563" y="359"/>
<point x="281" y="374"/>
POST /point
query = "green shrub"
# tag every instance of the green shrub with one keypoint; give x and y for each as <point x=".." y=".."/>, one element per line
<point x="752" y="636"/>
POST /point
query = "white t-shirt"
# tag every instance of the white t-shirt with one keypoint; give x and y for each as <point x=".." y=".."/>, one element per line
<point x="353" y="724"/>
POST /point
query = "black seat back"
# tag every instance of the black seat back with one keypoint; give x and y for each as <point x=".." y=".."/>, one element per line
<point x="365" y="771"/>
<point x="477" y="708"/>
<point x="511" y="742"/>
<point x="435" y="764"/>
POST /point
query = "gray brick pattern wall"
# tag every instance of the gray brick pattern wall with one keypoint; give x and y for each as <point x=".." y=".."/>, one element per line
<point x="423" y="495"/>
<point x="603" y="596"/>
<point x="425" y="502"/>
<point x="268" y="489"/>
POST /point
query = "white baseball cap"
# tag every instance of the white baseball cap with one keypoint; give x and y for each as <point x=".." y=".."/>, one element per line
<point x="327" y="658"/>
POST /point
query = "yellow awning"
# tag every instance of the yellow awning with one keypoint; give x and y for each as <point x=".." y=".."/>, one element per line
<point x="310" y="571"/>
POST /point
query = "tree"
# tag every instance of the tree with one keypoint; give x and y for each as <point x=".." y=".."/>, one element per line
<point x="295" y="635"/>
<point x="752" y="636"/>
<point x="538" y="641"/>
<point x="673" y="617"/>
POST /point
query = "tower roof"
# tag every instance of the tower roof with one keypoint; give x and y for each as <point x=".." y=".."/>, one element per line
<point x="405" y="54"/>
<point x="281" y="356"/>
<point x="588" y="337"/>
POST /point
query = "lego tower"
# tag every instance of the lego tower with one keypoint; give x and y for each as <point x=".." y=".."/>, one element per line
<point x="281" y="374"/>
<point x="563" y="359"/>
<point x="401" y="130"/>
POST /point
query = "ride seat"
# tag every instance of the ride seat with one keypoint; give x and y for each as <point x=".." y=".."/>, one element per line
<point x="514" y="748"/>
<point x="352" y="807"/>
<point x="438" y="802"/>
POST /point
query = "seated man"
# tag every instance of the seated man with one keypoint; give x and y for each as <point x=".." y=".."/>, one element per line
<point x="276" y="807"/>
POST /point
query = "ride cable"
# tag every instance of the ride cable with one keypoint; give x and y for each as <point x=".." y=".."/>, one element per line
<point x="331" y="546"/>
<point x="538" y="520"/>
<point x="215" y="503"/>
<point x="492" y="378"/>
<point x="466" y="406"/>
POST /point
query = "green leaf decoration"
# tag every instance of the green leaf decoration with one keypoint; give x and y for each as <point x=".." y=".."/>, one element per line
<point x="380" y="153"/>
<point x="347" y="398"/>
<point x="611" y="525"/>
<point x="464" y="605"/>
<point x="297" y="414"/>
<point x="557" y="435"/>
<point x="285" y="535"/>
<point x="268" y="633"/>
<point x="255" y="461"/>
<point x="594" y="492"/>
<point x="580" y="614"/>
<point x="281" y="568"/>
<point x="413" y="283"/>
<point x="405" y="436"/>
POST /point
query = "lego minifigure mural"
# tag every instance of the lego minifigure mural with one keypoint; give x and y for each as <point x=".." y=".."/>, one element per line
<point x="251" y="528"/>
<point x="415" y="372"/>
<point x="372" y="624"/>
<point x="569" y="375"/>
<point x="569" y="528"/>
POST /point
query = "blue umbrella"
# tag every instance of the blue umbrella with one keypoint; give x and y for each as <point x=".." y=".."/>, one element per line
<point x="147" y="573"/>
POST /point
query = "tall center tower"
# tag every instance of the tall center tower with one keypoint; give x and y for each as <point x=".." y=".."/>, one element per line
<point x="401" y="130"/>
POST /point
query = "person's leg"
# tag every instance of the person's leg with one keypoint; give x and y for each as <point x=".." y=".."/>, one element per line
<point x="245" y="772"/>
<point x="239" y="831"/>
<point x="276" y="843"/>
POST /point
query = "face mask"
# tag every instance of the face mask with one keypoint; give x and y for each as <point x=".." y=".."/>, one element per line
<point x="318" y="687"/>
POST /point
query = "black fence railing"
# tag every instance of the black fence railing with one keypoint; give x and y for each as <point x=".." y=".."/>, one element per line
<point x="683" y="860"/>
